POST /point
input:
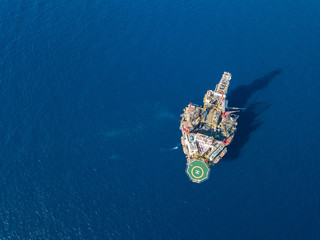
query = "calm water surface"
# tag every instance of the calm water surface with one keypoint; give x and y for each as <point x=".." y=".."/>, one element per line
<point x="91" y="93"/>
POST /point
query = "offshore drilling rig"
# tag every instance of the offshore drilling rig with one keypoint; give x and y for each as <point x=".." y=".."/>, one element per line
<point x="208" y="130"/>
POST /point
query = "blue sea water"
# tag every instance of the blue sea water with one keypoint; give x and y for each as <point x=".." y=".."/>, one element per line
<point x="91" y="93"/>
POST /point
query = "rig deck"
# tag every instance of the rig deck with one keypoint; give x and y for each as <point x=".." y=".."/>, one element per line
<point x="208" y="130"/>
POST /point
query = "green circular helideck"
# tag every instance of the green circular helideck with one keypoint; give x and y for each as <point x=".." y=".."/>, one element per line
<point x="198" y="171"/>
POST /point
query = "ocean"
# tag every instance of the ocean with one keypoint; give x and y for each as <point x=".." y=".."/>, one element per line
<point x="91" y="94"/>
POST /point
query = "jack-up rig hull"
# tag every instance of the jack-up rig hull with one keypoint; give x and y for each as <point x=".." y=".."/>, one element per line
<point x="208" y="130"/>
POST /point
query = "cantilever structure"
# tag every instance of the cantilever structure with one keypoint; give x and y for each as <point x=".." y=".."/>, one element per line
<point x="208" y="130"/>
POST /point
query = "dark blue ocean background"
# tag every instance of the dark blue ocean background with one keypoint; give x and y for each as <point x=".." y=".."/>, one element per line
<point x="90" y="98"/>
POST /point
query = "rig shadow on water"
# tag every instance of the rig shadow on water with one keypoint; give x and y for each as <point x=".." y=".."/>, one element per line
<point x="248" y="122"/>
